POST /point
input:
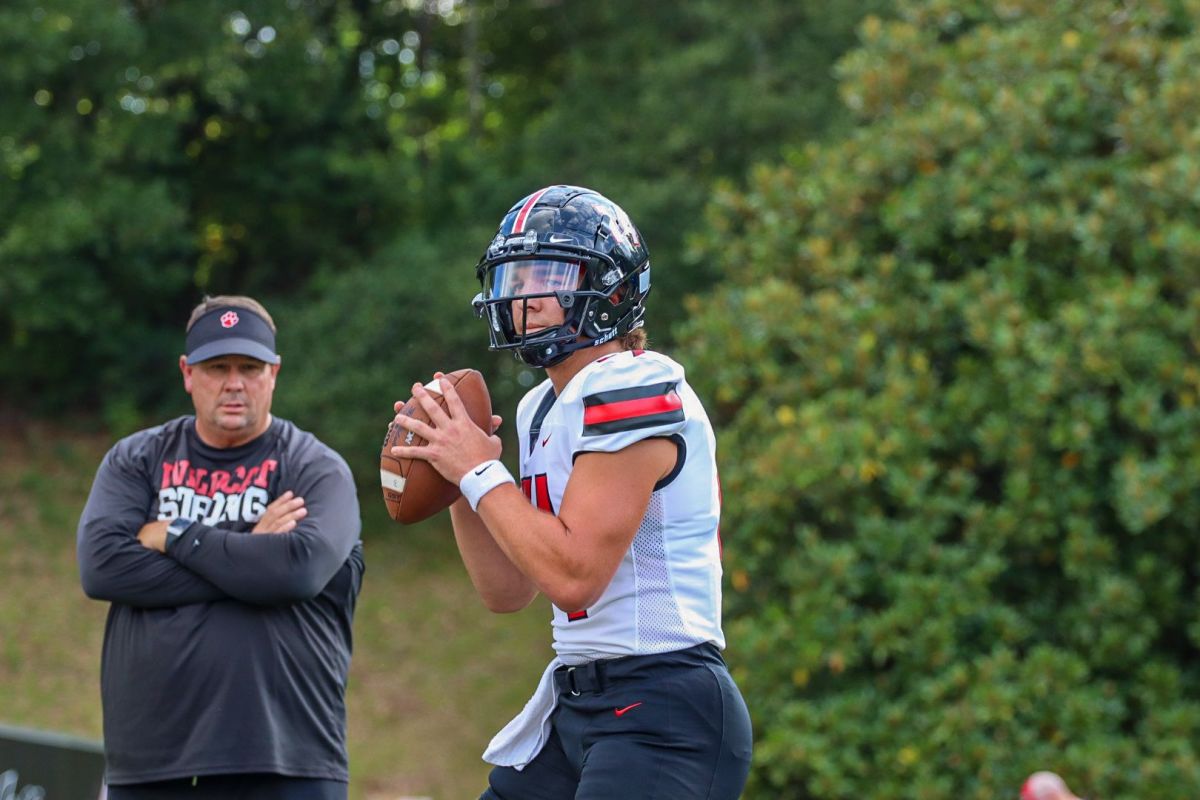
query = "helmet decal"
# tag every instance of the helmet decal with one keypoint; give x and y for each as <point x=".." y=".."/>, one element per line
<point x="618" y="224"/>
<point x="523" y="214"/>
<point x="625" y="229"/>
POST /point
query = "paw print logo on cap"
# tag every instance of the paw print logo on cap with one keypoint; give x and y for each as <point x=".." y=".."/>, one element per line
<point x="229" y="319"/>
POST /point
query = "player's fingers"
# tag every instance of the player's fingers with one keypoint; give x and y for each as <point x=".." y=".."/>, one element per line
<point x="454" y="403"/>
<point x="396" y="406"/>
<point x="428" y="402"/>
<point x="416" y="426"/>
<point x="496" y="420"/>
<point x="412" y="451"/>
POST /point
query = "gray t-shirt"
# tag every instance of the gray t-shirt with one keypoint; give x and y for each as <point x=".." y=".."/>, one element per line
<point x="230" y="653"/>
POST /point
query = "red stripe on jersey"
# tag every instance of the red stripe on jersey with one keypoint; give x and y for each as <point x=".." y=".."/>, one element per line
<point x="628" y="409"/>
<point x="575" y="616"/>
<point x="523" y="214"/>
<point x="542" y="484"/>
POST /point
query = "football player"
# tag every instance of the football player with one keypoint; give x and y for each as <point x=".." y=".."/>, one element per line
<point x="614" y="517"/>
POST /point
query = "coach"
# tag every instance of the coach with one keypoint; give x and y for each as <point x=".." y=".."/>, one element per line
<point x="228" y="545"/>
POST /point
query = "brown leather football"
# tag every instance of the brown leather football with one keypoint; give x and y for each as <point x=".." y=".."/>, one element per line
<point x="412" y="489"/>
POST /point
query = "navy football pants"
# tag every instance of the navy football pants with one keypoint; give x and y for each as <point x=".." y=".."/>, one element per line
<point x="659" y="727"/>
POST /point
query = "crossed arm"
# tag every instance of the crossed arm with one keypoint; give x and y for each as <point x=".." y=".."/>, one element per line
<point x="281" y="516"/>
<point x="293" y="551"/>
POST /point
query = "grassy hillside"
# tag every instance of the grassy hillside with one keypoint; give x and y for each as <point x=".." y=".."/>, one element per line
<point x="434" y="674"/>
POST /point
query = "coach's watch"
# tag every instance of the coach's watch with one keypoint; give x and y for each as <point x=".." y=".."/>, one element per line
<point x="175" y="529"/>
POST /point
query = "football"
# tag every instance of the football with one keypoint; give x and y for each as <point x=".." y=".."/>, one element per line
<point x="412" y="489"/>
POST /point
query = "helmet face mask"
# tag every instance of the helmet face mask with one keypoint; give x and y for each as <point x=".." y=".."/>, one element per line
<point x="576" y="246"/>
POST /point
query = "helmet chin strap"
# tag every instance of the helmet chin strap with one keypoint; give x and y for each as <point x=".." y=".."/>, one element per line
<point x="548" y="354"/>
<point x="544" y="355"/>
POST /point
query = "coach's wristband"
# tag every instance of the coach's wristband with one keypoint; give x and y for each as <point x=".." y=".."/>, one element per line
<point x="481" y="480"/>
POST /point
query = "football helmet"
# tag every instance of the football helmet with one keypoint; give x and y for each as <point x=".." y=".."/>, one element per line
<point x="572" y="244"/>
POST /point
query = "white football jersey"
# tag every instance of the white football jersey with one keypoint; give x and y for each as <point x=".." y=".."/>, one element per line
<point x="666" y="593"/>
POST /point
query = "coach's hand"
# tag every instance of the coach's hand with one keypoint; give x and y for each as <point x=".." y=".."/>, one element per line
<point x="154" y="535"/>
<point x="282" y="515"/>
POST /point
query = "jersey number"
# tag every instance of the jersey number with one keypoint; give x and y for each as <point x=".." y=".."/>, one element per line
<point x="537" y="491"/>
<point x="538" y="494"/>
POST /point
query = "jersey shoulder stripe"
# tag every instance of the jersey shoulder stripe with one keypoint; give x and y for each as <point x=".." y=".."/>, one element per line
<point x="629" y="409"/>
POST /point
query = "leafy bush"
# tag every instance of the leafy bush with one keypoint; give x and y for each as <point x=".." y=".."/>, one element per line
<point x="954" y="372"/>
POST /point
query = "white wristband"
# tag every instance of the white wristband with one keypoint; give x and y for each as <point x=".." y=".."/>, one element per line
<point x="481" y="480"/>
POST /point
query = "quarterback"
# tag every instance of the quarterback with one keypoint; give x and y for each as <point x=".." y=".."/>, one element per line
<point x="614" y="517"/>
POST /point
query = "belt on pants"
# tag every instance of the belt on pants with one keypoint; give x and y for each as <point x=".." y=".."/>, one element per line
<point x="596" y="676"/>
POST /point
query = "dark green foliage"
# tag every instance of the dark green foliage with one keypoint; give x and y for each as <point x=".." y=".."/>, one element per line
<point x="653" y="102"/>
<point x="955" y="369"/>
<point x="152" y="152"/>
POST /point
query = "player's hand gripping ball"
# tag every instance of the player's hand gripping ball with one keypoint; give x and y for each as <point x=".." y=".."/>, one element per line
<point x="412" y="489"/>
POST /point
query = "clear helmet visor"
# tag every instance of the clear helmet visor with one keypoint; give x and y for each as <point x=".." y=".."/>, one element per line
<point x="533" y="277"/>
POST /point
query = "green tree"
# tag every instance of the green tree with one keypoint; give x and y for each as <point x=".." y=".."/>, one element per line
<point x="954" y="369"/>
<point x="152" y="152"/>
<point x="86" y="217"/>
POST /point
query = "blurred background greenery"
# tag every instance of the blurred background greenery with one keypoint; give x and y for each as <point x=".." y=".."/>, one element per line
<point x="934" y="266"/>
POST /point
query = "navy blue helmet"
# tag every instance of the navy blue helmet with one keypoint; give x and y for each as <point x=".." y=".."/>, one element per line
<point x="577" y="246"/>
